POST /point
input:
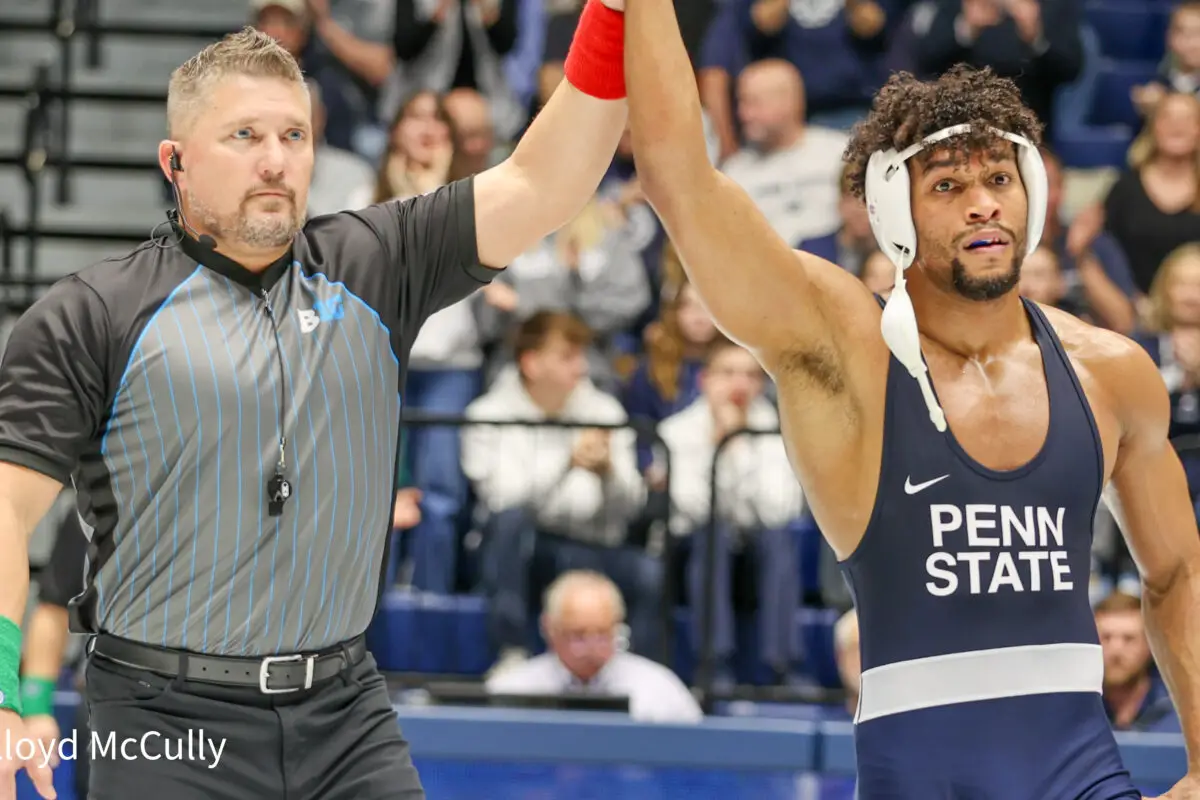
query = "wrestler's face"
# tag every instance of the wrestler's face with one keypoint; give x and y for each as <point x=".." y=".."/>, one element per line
<point x="970" y="212"/>
<point x="584" y="633"/>
<point x="247" y="156"/>
<point x="1126" y="651"/>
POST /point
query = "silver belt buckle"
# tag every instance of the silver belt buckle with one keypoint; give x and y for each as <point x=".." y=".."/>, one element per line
<point x="264" y="670"/>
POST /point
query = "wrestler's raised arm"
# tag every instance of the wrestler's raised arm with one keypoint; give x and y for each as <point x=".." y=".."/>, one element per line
<point x="793" y="310"/>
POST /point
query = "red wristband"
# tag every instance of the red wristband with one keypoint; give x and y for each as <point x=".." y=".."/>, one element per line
<point x="595" y="63"/>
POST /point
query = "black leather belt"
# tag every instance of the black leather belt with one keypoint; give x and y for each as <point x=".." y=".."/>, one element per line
<point x="279" y="674"/>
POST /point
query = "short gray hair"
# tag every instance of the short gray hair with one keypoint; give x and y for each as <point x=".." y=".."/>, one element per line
<point x="248" y="52"/>
<point x="552" y="602"/>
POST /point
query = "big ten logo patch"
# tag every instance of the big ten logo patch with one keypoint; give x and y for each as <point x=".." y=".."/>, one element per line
<point x="329" y="310"/>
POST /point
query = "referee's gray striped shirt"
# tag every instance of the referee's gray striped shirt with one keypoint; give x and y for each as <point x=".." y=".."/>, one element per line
<point x="157" y="382"/>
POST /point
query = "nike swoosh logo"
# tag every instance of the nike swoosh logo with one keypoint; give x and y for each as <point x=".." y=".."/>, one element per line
<point x="910" y="488"/>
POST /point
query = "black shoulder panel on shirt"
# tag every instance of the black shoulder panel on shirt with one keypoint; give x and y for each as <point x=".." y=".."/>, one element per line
<point x="407" y="258"/>
<point x="67" y="354"/>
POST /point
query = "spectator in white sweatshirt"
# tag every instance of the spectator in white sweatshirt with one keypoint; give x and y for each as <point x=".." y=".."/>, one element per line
<point x="555" y="498"/>
<point x="757" y="500"/>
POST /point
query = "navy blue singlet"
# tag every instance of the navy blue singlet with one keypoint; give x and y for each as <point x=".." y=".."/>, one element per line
<point x="982" y="668"/>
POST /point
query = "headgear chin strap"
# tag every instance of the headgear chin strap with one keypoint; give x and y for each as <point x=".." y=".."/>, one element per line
<point x="889" y="207"/>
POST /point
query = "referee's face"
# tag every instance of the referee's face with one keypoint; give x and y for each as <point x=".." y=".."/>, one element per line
<point x="248" y="162"/>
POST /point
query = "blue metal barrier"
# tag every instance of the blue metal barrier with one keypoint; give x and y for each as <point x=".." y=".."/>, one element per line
<point x="508" y="754"/>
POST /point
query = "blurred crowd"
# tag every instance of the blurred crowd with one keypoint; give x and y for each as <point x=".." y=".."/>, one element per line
<point x="596" y="336"/>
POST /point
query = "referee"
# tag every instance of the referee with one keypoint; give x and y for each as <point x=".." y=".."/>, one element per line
<point x="223" y="399"/>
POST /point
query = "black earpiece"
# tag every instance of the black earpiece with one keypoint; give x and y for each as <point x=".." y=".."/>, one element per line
<point x="203" y="238"/>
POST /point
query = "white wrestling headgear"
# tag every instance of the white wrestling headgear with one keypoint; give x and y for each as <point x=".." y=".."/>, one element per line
<point x="889" y="207"/>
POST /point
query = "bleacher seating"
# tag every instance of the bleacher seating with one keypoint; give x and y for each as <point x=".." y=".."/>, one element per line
<point x="1112" y="104"/>
<point x="1124" y="44"/>
<point x="1129" y="31"/>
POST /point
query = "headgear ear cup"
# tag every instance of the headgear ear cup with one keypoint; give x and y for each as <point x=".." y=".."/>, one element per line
<point x="1037" y="189"/>
<point x="889" y="205"/>
<point x="886" y="192"/>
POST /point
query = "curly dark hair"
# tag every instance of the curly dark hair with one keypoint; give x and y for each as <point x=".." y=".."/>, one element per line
<point x="907" y="110"/>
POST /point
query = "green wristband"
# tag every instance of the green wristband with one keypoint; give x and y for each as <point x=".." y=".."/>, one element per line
<point x="37" y="696"/>
<point x="10" y="665"/>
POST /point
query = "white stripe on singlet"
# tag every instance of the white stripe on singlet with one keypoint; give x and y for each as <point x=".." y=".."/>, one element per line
<point x="979" y="675"/>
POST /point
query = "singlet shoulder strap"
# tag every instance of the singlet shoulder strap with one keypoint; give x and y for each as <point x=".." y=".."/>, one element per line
<point x="1064" y="369"/>
<point x="879" y="299"/>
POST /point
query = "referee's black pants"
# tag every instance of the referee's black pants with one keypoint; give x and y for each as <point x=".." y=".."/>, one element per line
<point x="339" y="740"/>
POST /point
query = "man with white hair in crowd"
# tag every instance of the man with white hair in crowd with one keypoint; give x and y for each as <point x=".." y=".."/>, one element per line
<point x="757" y="500"/>
<point x="583" y="625"/>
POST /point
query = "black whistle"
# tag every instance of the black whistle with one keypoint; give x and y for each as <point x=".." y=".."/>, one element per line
<point x="278" y="491"/>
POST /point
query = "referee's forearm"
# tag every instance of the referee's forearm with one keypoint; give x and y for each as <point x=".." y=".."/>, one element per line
<point x="45" y="642"/>
<point x="570" y="145"/>
<point x="550" y="176"/>
<point x="14" y="563"/>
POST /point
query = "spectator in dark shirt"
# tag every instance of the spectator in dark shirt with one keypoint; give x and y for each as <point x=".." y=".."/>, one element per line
<point x="1134" y="696"/>
<point x="1097" y="282"/>
<point x="1035" y="42"/>
<point x="1154" y="206"/>
<point x="838" y="47"/>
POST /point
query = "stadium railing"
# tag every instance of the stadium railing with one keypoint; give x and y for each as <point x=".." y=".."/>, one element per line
<point x="510" y="753"/>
